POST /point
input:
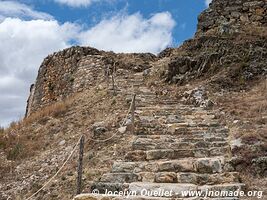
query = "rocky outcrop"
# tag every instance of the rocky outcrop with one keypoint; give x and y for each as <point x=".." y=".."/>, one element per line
<point x="231" y="39"/>
<point x="227" y="17"/>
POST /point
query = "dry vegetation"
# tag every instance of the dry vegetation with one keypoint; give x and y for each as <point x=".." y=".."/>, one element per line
<point x="18" y="144"/>
<point x="22" y="139"/>
<point x="246" y="116"/>
<point x="36" y="138"/>
<point x="249" y="105"/>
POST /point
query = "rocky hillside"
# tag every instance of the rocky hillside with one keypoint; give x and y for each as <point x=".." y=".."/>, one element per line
<point x="200" y="118"/>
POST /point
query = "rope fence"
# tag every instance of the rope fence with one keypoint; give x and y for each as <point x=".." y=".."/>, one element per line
<point x="60" y="169"/>
<point x="81" y="142"/>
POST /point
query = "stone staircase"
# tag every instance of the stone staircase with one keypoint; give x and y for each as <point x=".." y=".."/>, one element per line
<point x="176" y="148"/>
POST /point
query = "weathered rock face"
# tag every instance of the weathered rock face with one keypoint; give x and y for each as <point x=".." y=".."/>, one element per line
<point x="231" y="37"/>
<point x="227" y="16"/>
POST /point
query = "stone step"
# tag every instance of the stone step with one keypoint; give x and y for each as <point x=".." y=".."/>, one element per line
<point x="194" y="165"/>
<point x="173" y="129"/>
<point x="169" y="119"/>
<point x="174" y="123"/>
<point x="205" y="179"/>
<point x="199" y="137"/>
<point x="129" y="82"/>
<point x="157" y="154"/>
<point x="144" y="96"/>
<point x="170" y="106"/>
<point x="211" y="130"/>
<point x="180" y="124"/>
<point x="165" y="108"/>
<point x="154" y="106"/>
<point x="151" y="97"/>
<point x="130" y="79"/>
<point x="186" y="110"/>
<point x="152" y="143"/>
<point x="179" y="108"/>
<point x="165" y="189"/>
<point x="182" y="132"/>
<point x="175" y="117"/>
<point x="171" y="177"/>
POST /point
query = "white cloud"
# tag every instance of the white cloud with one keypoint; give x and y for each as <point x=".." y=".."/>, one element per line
<point x="76" y="3"/>
<point x="24" y="44"/>
<point x="28" y="36"/>
<point x="131" y="33"/>
<point x="15" y="9"/>
<point x="207" y="2"/>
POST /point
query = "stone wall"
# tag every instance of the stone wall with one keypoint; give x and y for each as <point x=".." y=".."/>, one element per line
<point x="230" y="16"/>
<point x="91" y="69"/>
<point x="76" y="69"/>
<point x="62" y="74"/>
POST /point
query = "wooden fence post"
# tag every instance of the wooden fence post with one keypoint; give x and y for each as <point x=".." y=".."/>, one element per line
<point x="132" y="113"/>
<point x="113" y="85"/>
<point x="80" y="166"/>
<point x="107" y="75"/>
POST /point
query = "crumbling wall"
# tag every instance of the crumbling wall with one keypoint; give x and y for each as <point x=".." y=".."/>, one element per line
<point x="62" y="74"/>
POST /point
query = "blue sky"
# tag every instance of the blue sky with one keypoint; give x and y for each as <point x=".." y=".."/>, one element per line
<point x="32" y="29"/>
<point x="184" y="12"/>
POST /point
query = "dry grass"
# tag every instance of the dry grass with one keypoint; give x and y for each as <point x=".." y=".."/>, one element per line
<point x="26" y="137"/>
<point x="250" y="109"/>
<point x="55" y="110"/>
<point x="251" y="105"/>
<point x="18" y="142"/>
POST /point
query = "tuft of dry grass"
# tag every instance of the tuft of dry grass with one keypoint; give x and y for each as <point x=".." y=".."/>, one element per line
<point x="55" y="110"/>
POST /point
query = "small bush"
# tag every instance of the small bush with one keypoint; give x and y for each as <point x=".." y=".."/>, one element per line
<point x="15" y="152"/>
